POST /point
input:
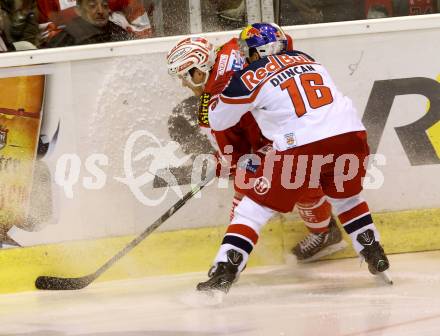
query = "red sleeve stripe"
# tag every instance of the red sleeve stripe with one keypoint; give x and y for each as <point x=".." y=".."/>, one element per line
<point x="243" y="230"/>
<point x="353" y="213"/>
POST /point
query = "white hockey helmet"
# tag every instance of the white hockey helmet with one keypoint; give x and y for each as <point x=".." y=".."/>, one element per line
<point x="189" y="53"/>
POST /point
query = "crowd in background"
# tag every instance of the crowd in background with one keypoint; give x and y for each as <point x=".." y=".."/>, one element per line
<point x="28" y="24"/>
<point x="34" y="24"/>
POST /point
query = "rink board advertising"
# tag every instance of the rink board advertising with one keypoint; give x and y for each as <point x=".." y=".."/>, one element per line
<point x="118" y="139"/>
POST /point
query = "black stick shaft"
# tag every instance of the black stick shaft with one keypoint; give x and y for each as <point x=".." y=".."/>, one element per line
<point x="56" y="283"/>
<point x="154" y="226"/>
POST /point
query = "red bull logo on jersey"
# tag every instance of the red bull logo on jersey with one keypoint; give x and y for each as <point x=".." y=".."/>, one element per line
<point x="252" y="78"/>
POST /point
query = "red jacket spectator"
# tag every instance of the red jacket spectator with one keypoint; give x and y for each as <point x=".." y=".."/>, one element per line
<point x="128" y="14"/>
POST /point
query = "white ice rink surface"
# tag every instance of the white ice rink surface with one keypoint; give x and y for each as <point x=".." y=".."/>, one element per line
<point x="326" y="298"/>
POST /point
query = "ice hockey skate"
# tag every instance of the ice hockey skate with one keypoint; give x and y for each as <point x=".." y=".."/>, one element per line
<point x="315" y="246"/>
<point x="374" y="255"/>
<point x="223" y="275"/>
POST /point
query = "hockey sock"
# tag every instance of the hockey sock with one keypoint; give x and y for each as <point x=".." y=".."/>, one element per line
<point x="243" y="232"/>
<point x="235" y="202"/>
<point x="316" y="215"/>
<point x="355" y="217"/>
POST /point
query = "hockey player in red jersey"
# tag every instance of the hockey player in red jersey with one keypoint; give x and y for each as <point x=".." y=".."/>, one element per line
<point x="315" y="130"/>
<point x="206" y="73"/>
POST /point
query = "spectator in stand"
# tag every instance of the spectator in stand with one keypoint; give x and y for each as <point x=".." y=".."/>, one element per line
<point x="91" y="26"/>
<point x="131" y="15"/>
<point x="4" y="45"/>
<point x="18" y="25"/>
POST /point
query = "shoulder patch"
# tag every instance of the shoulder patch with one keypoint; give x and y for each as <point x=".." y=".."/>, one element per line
<point x="222" y="64"/>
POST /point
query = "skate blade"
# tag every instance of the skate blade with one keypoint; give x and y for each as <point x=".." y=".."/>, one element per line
<point x="385" y="276"/>
<point x="325" y="252"/>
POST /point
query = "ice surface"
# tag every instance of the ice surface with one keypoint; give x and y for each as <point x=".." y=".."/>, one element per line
<point x="325" y="298"/>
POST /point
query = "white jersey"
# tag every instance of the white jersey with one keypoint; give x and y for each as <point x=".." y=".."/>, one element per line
<point x="292" y="98"/>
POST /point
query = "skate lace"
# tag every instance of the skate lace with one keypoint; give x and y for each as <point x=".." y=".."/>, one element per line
<point x="310" y="241"/>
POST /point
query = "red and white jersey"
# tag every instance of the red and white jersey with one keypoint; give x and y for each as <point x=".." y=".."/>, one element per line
<point x="292" y="98"/>
<point x="244" y="137"/>
<point x="227" y="61"/>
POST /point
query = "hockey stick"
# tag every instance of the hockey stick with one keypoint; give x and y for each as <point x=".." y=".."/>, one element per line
<point x="56" y="283"/>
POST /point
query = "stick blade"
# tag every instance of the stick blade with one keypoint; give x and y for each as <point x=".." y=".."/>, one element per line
<point x="54" y="283"/>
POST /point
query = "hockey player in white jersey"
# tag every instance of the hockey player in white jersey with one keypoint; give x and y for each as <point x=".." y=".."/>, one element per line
<point x="206" y="73"/>
<point x="318" y="140"/>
